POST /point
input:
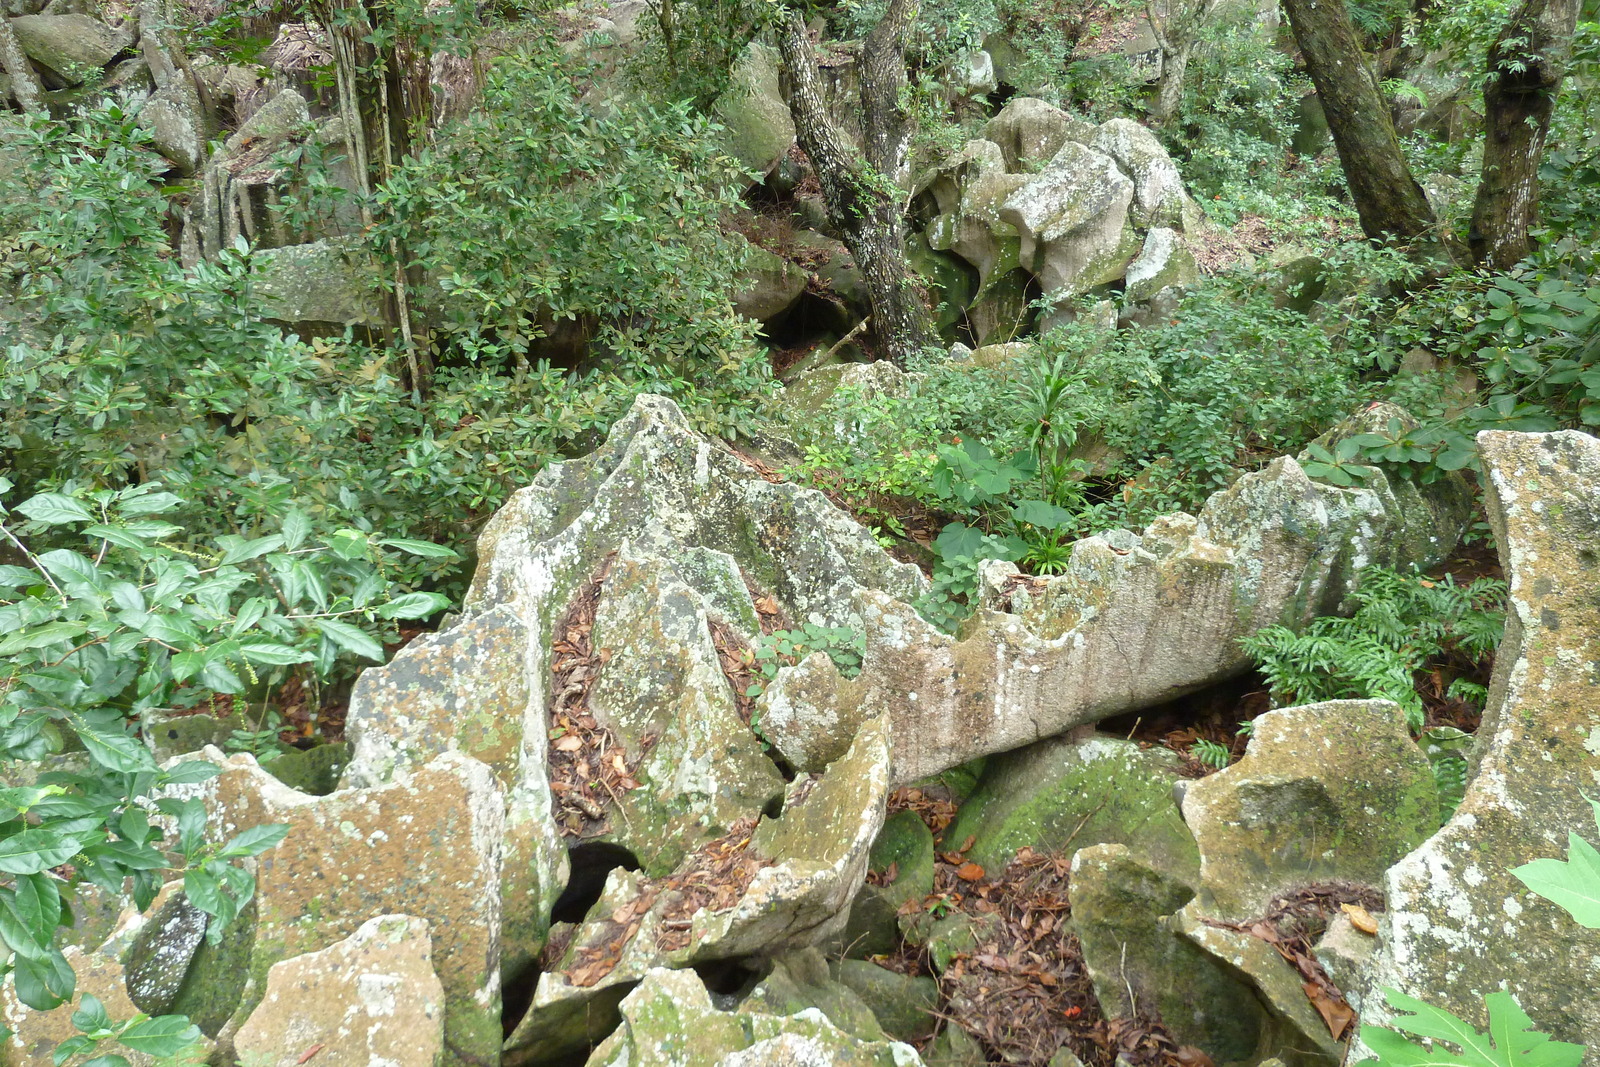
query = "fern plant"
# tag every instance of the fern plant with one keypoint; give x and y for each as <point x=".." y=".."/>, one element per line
<point x="1402" y="624"/>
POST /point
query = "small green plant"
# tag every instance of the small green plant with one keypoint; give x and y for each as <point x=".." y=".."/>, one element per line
<point x="1402" y="623"/>
<point x="844" y="645"/>
<point x="1211" y="754"/>
<point x="163" y="1036"/>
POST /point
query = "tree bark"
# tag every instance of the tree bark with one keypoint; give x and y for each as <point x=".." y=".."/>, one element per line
<point x="1175" y="25"/>
<point x="1388" y="199"/>
<point x="1526" y="64"/>
<point x="863" y="196"/>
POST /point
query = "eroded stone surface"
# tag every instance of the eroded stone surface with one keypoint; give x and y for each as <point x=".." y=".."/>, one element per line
<point x="1325" y="792"/>
<point x="1133" y="620"/>
<point x="669" y="1021"/>
<point x="1459" y="925"/>
<point x="372" y="998"/>
<point x="428" y="844"/>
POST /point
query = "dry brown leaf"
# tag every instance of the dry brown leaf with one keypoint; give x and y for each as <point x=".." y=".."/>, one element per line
<point x="1360" y="918"/>
<point x="569" y="743"/>
<point x="969" y="872"/>
<point x="1334" y="1011"/>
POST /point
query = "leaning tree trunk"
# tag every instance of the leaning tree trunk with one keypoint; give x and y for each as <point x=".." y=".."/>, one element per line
<point x="863" y="195"/>
<point x="1388" y="199"/>
<point x="1526" y="64"/>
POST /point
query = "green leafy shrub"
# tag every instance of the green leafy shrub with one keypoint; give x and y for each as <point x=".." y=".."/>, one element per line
<point x="115" y="624"/>
<point x="1402" y="624"/>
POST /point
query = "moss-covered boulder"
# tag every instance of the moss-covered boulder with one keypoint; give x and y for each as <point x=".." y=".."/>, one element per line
<point x="904" y="1005"/>
<point x="902" y="860"/>
<point x="758" y="129"/>
<point x="1335" y="791"/>
<point x="1459" y="924"/>
<point x="800" y="980"/>
<point x="669" y="1021"/>
<point x="1124" y="914"/>
<point x="427" y="844"/>
<point x="664" y="697"/>
<point x="370" y="998"/>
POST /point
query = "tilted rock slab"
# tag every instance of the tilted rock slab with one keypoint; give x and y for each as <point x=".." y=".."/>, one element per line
<point x="1459" y="925"/>
<point x="428" y="844"/>
<point x="1134" y="620"/>
<point x="372" y="998"/>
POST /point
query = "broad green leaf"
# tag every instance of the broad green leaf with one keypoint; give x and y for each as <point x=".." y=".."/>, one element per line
<point x="51" y="633"/>
<point x="1509" y="1041"/>
<point x="165" y="1035"/>
<point x="116" y="750"/>
<point x="1042" y="514"/>
<point x="351" y="638"/>
<point x="296" y="528"/>
<point x="21" y="933"/>
<point x="12" y="576"/>
<point x="412" y="606"/>
<point x="44" y="983"/>
<point x="32" y="851"/>
<point x="72" y="1046"/>
<point x="254" y="841"/>
<point x="271" y="653"/>
<point x="1573" y="885"/>
<point x="148" y="504"/>
<point x="91" y="1015"/>
<point x="189" y="772"/>
<point x="419" y="548"/>
<point x="38" y="903"/>
<point x="238" y="549"/>
<point x="116" y="535"/>
<point x="203" y="890"/>
<point x="52" y="509"/>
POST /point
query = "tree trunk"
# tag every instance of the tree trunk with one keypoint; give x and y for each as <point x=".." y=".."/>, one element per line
<point x="1175" y="24"/>
<point x="1526" y="65"/>
<point x="1169" y="89"/>
<point x="863" y="196"/>
<point x="1388" y="199"/>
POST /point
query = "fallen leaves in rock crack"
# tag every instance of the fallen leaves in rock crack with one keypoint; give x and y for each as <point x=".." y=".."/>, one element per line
<point x="587" y="767"/>
<point x="1295" y="922"/>
<point x="712" y="879"/>
<point x="1021" y="987"/>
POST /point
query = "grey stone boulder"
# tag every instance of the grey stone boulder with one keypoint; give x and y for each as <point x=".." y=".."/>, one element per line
<point x="663" y="695"/>
<point x="17" y="79"/>
<point x="1163" y="262"/>
<point x="157" y="961"/>
<point x="808" y="864"/>
<point x="1295" y="1033"/>
<point x="1336" y="791"/>
<point x="1031" y="131"/>
<point x="970" y="190"/>
<point x="758" y="128"/>
<point x="1458" y="924"/>
<point x="768" y="286"/>
<point x="669" y="1021"/>
<point x="1159" y="197"/>
<point x="1072" y="221"/>
<point x="324" y="286"/>
<point x="800" y="980"/>
<point x="69" y="48"/>
<point x="1062" y="794"/>
<point x="370" y="998"/>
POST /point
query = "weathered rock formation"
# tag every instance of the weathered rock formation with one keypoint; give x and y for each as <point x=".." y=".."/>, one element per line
<point x="1459" y="924"/>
